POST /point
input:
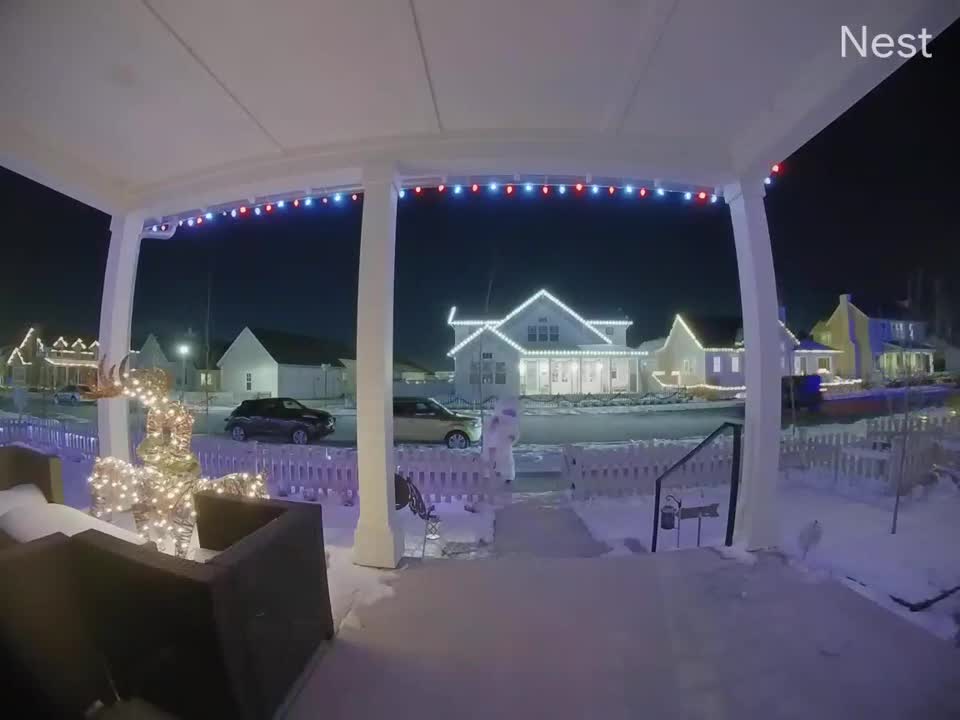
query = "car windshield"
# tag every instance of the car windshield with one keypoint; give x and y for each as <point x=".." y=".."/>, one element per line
<point x="438" y="407"/>
<point x="292" y="405"/>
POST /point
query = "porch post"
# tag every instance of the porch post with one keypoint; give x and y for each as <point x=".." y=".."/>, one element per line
<point x="757" y="525"/>
<point x="378" y="541"/>
<point x="116" y="314"/>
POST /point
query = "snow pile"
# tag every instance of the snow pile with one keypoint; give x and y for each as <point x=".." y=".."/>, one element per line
<point x="853" y="543"/>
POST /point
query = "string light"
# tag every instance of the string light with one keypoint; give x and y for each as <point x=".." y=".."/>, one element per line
<point x="493" y="186"/>
<point x="767" y="180"/>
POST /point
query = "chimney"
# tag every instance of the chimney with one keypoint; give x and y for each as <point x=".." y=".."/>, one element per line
<point x="845" y="300"/>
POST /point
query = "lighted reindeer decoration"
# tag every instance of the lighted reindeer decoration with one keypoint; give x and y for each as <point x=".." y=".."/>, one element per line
<point x="159" y="492"/>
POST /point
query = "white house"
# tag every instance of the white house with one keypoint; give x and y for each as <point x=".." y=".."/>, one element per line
<point x="269" y="363"/>
<point x="703" y="352"/>
<point x="541" y="347"/>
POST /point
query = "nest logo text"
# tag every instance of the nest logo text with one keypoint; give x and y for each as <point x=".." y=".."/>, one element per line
<point x="882" y="45"/>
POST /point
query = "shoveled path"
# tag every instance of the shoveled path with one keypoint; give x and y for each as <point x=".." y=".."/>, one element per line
<point x="543" y="525"/>
<point x="684" y="634"/>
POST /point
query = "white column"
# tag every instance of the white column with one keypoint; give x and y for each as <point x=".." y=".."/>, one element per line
<point x="116" y="314"/>
<point x="378" y="541"/>
<point x="757" y="525"/>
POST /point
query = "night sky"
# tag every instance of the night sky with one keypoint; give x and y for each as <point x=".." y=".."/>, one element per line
<point x="869" y="203"/>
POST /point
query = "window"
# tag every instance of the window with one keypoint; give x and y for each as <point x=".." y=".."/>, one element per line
<point x="292" y="405"/>
<point x="910" y="330"/>
<point x="206" y="379"/>
<point x="554" y="333"/>
<point x="474" y="372"/>
<point x="486" y="370"/>
<point x="734" y="363"/>
<point x="608" y="330"/>
<point x="823" y="363"/>
<point x="687" y="365"/>
<point x="249" y="382"/>
<point x="542" y="335"/>
<point x="797" y="370"/>
<point x="531" y="333"/>
<point x="827" y="338"/>
<point x="613" y="370"/>
<point x="717" y="363"/>
<point x="500" y="374"/>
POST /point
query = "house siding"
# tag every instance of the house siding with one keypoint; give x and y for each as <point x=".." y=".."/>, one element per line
<point x="306" y="382"/>
<point x="502" y="352"/>
<point x="247" y="355"/>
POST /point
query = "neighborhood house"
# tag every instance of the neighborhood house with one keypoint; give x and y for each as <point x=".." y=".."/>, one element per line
<point x="541" y="347"/>
<point x="887" y="344"/>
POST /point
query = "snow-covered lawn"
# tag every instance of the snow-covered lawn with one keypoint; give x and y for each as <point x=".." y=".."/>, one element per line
<point x="856" y="547"/>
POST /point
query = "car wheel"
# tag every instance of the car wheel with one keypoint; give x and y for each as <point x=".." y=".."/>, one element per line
<point x="457" y="440"/>
<point x="238" y="433"/>
<point x="300" y="437"/>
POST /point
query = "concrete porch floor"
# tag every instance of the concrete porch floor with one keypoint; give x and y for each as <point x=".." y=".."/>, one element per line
<point x="681" y="634"/>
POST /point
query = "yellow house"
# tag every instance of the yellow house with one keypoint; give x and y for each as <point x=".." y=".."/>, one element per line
<point x="887" y="344"/>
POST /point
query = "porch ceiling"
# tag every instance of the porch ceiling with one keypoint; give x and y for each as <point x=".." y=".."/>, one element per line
<point x="145" y="104"/>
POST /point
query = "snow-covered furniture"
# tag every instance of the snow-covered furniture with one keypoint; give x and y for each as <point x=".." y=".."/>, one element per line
<point x="225" y="638"/>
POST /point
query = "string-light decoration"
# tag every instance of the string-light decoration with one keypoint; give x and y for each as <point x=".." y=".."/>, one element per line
<point x="547" y="189"/>
<point x="159" y="492"/>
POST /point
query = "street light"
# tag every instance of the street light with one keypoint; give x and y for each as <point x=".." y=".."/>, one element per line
<point x="183" y="350"/>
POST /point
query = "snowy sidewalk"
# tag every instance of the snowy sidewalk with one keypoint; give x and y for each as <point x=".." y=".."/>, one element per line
<point x="673" y="635"/>
<point x="544" y="526"/>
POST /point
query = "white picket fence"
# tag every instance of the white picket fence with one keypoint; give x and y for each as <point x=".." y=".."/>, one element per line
<point x="865" y="463"/>
<point x="633" y="469"/>
<point x="441" y="474"/>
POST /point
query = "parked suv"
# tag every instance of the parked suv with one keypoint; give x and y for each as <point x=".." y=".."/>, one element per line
<point x="73" y="395"/>
<point x="419" y="419"/>
<point x="284" y="417"/>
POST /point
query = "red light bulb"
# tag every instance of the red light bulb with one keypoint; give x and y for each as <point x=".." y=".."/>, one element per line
<point x="418" y="189"/>
<point x="579" y="187"/>
<point x="775" y="168"/>
<point x="296" y="203"/>
<point x="441" y="187"/>
<point x="643" y="192"/>
<point x="243" y="209"/>
<point x="269" y="207"/>
<point x="545" y="189"/>
<point x="509" y="189"/>
<point x="701" y="195"/>
<point x="199" y="221"/>
<point x="475" y="187"/>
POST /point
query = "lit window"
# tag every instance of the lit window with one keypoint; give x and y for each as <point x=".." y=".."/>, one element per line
<point x="735" y="363"/>
<point x="796" y="365"/>
<point x="717" y="363"/>
<point x="554" y="333"/>
<point x="823" y="363"/>
<point x="687" y="365"/>
<point x="249" y="381"/>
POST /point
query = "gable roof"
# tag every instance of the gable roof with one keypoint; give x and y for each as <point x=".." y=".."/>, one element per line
<point x="540" y="294"/>
<point x="294" y="349"/>
<point x="714" y="331"/>
<point x="811" y="345"/>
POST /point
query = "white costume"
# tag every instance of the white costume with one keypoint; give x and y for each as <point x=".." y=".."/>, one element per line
<point x="500" y="435"/>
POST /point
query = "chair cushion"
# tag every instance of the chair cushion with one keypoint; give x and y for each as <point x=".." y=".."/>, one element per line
<point x="29" y="522"/>
<point x="18" y="495"/>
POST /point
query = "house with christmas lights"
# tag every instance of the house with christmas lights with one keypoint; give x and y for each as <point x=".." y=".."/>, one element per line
<point x="707" y="353"/>
<point x="541" y="347"/>
<point x="34" y="362"/>
<point x="885" y="341"/>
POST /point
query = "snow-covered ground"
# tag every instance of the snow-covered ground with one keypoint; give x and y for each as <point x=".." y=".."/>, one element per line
<point x="352" y="585"/>
<point x="856" y="547"/>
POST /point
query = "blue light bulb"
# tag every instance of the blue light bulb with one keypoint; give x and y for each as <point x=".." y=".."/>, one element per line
<point x="208" y="216"/>
<point x="493" y="187"/>
<point x="280" y="203"/>
<point x="308" y="202"/>
<point x="528" y="187"/>
<point x="687" y="195"/>
<point x="457" y="189"/>
<point x="628" y="189"/>
<point x="562" y="189"/>
<point x="595" y="189"/>
<point x="337" y="198"/>
<point x="661" y="192"/>
<point x="402" y="193"/>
